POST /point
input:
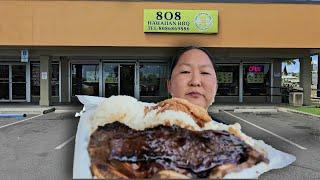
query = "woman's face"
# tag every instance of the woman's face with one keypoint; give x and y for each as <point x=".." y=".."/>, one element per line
<point x="194" y="78"/>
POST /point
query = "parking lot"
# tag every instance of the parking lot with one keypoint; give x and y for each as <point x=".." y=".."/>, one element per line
<point x="292" y="133"/>
<point x="41" y="146"/>
<point x="38" y="148"/>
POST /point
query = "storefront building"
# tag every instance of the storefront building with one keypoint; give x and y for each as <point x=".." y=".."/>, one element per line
<point x="100" y="48"/>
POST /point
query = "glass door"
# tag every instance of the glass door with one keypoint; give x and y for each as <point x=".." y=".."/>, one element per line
<point x="118" y="79"/>
<point x="12" y="82"/>
<point x="127" y="80"/>
<point x="4" y="82"/>
<point x="111" y="79"/>
<point x="256" y="79"/>
<point x="257" y="82"/>
<point x="18" y="82"/>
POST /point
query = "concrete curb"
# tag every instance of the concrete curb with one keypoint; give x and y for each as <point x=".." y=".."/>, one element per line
<point x="214" y="110"/>
<point x="255" y="110"/>
<point x="39" y="110"/>
<point x="67" y="110"/>
<point x="24" y="110"/>
<point x="246" y="110"/>
<point x="282" y="109"/>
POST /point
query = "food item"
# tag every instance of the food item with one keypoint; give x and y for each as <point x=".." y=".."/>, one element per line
<point x="119" y="151"/>
<point x="173" y="139"/>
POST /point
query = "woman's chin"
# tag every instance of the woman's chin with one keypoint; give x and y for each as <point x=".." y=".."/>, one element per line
<point x="197" y="101"/>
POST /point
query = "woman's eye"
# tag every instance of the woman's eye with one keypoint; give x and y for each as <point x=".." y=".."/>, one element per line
<point x="185" y="72"/>
<point x="206" y="73"/>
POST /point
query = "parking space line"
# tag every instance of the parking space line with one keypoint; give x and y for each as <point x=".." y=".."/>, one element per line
<point x="265" y="130"/>
<point x="64" y="143"/>
<point x="20" y="121"/>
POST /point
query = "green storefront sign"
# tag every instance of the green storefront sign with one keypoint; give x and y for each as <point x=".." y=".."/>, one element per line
<point x="180" y="21"/>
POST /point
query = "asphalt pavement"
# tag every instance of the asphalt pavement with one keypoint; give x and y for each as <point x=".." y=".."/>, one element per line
<point x="41" y="146"/>
<point x="30" y="149"/>
<point x="289" y="132"/>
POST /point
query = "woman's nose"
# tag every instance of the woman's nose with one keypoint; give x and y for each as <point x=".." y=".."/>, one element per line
<point x="195" y="80"/>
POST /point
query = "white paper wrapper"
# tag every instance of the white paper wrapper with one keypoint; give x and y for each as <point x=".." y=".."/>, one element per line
<point x="81" y="164"/>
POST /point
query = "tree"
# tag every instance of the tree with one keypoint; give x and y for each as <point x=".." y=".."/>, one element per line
<point x="290" y="61"/>
<point x="285" y="72"/>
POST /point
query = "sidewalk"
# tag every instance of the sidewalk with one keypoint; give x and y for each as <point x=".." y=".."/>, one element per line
<point x="255" y="108"/>
<point x="36" y="109"/>
<point x="28" y="108"/>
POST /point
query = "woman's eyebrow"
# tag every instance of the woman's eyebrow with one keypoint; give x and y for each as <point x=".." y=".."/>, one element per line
<point x="185" y="64"/>
<point x="201" y="66"/>
<point x="206" y="65"/>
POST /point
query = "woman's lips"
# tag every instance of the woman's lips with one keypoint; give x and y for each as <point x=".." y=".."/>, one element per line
<point x="194" y="94"/>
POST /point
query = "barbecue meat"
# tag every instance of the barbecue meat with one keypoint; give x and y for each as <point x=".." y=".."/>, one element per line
<point x="118" y="151"/>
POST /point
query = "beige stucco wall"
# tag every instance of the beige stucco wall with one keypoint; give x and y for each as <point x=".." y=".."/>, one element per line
<point x="116" y="23"/>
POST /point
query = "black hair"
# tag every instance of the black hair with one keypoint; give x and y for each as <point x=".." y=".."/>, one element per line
<point x="179" y="53"/>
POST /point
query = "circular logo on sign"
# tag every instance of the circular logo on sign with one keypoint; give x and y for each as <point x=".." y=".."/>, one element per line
<point x="203" y="21"/>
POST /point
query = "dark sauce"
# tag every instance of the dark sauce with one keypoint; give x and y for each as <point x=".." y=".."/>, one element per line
<point x="193" y="153"/>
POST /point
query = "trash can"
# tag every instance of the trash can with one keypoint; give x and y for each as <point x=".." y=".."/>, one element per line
<point x="296" y="97"/>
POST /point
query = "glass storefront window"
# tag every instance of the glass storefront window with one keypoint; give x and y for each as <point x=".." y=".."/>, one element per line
<point x="153" y="82"/>
<point x="256" y="79"/>
<point x="35" y="79"/>
<point x="228" y="80"/>
<point x="85" y="79"/>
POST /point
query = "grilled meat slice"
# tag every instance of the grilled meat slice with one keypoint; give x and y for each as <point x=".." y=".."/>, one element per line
<point x="119" y="151"/>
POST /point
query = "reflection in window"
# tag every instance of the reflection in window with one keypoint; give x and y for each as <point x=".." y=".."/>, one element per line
<point x="35" y="79"/>
<point x="85" y="79"/>
<point x="153" y="78"/>
<point x="256" y="79"/>
<point x="110" y="75"/>
<point x="55" y="79"/>
<point x="228" y="80"/>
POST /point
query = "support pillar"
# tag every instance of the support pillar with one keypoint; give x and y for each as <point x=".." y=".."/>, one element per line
<point x="45" y="81"/>
<point x="64" y="79"/>
<point x="305" y="79"/>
